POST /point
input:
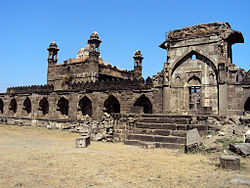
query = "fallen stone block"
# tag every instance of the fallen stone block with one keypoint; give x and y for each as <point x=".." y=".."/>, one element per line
<point x="192" y="140"/>
<point x="240" y="148"/>
<point x="83" y="142"/>
<point x="230" y="162"/>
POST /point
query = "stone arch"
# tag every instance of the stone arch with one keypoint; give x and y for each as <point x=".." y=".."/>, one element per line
<point x="194" y="80"/>
<point x="13" y="105"/>
<point x="112" y="105"/>
<point x="211" y="77"/>
<point x="44" y="106"/>
<point x="199" y="56"/>
<point x="63" y="106"/>
<point x="1" y="106"/>
<point x="239" y="76"/>
<point x="27" y="105"/>
<point x="247" y="105"/>
<point x="86" y="106"/>
<point x="145" y="103"/>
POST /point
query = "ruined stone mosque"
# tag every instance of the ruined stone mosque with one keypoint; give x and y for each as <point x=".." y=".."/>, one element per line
<point x="198" y="80"/>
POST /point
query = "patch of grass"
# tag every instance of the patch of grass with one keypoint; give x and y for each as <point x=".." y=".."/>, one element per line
<point x="226" y="141"/>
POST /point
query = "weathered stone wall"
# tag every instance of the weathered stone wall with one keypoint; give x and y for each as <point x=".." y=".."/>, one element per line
<point x="125" y="98"/>
<point x="62" y="74"/>
<point x="199" y="77"/>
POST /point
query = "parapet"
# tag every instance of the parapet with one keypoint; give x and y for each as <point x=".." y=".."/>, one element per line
<point x="30" y="89"/>
<point x="202" y="30"/>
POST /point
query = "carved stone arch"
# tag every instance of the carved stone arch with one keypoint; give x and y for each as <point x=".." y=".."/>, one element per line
<point x="199" y="56"/>
<point x="211" y="77"/>
<point x="13" y="105"/>
<point x="44" y="106"/>
<point x="85" y="105"/>
<point x="1" y="106"/>
<point x="194" y="80"/>
<point x="112" y="105"/>
<point x="239" y="75"/>
<point x="63" y="106"/>
<point x="144" y="101"/>
<point x="27" y="105"/>
<point x="247" y="105"/>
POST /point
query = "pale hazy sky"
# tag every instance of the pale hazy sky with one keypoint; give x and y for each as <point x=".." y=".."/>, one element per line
<point x="124" y="26"/>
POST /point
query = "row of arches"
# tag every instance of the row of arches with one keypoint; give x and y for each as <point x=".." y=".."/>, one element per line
<point x="111" y="105"/>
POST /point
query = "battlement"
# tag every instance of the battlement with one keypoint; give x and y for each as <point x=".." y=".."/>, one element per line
<point x="114" y="84"/>
<point x="30" y="89"/>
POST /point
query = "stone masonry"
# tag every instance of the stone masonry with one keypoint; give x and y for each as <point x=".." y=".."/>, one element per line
<point x="198" y="79"/>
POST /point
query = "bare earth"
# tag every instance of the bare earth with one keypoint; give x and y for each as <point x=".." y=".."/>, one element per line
<point x="37" y="157"/>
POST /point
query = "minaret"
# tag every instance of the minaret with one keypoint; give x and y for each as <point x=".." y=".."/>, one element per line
<point x="94" y="46"/>
<point x="52" y="57"/>
<point x="138" y="64"/>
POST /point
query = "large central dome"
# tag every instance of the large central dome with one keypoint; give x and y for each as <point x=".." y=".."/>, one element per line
<point x="83" y="52"/>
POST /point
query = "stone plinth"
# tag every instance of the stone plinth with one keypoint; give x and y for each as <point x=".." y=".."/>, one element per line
<point x="83" y="142"/>
<point x="230" y="162"/>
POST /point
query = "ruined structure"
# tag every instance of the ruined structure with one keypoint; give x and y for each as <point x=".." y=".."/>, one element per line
<point x="198" y="80"/>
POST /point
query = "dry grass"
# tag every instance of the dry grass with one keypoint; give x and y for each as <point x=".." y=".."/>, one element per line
<point x="37" y="157"/>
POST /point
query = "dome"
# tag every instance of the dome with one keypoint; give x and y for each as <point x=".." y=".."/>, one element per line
<point x="94" y="35"/>
<point x="53" y="44"/>
<point x="83" y="52"/>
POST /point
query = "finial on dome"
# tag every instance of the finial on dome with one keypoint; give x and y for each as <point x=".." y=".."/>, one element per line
<point x="138" y="55"/>
<point x="53" y="44"/>
<point x="94" y="35"/>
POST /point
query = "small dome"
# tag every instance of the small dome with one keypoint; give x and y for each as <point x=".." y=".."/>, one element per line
<point x="83" y="52"/>
<point x="94" y="35"/>
<point x="53" y="44"/>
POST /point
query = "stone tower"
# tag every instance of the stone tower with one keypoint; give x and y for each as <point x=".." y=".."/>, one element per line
<point x="52" y="57"/>
<point x="94" y="47"/>
<point x="138" y="64"/>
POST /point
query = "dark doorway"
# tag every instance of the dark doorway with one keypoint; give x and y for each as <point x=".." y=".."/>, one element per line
<point x="44" y="106"/>
<point x="112" y="105"/>
<point x="13" y="105"/>
<point x="247" y="105"/>
<point x="63" y="105"/>
<point x="27" y="105"/>
<point x="145" y="103"/>
<point x="1" y="106"/>
<point x="86" y="106"/>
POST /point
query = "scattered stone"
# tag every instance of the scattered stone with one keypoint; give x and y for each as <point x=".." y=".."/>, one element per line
<point x="237" y="132"/>
<point x="235" y="120"/>
<point x="247" y="137"/>
<point x="240" y="148"/>
<point x="97" y="137"/>
<point x="230" y="162"/>
<point x="221" y="133"/>
<point x="83" y="142"/>
<point x="209" y="136"/>
<point x="211" y="149"/>
<point x="245" y="120"/>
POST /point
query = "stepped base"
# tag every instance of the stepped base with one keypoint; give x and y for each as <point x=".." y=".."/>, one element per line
<point x="146" y="144"/>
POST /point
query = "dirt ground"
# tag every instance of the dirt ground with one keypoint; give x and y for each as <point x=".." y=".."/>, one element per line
<point x="38" y="157"/>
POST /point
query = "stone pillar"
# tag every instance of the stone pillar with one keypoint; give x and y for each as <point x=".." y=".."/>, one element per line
<point x="223" y="99"/>
<point x="223" y="91"/>
<point x="165" y="97"/>
<point x="166" y="89"/>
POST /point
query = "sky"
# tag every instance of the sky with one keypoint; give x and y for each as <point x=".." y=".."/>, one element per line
<point x="124" y="26"/>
